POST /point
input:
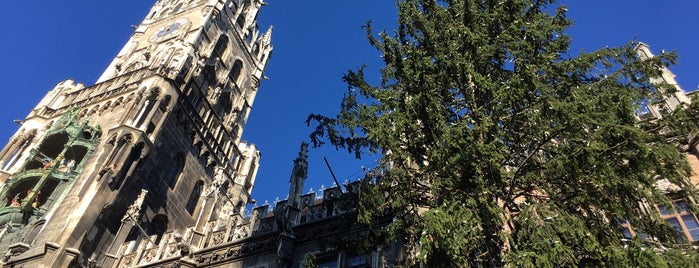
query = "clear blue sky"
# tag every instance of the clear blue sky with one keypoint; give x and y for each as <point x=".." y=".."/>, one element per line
<point x="44" y="42"/>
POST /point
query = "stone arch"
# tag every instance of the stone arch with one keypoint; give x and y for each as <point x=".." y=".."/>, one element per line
<point x="117" y="102"/>
<point x="129" y="163"/>
<point x="165" y="11"/>
<point x="111" y="141"/>
<point x="152" y="14"/>
<point x="47" y="151"/>
<point x="118" y="146"/>
<point x="133" y="66"/>
<point x="131" y="97"/>
<point x="106" y="107"/>
<point x="82" y="114"/>
<point x="159" y="225"/>
<point x="93" y="110"/>
<point x="35" y="228"/>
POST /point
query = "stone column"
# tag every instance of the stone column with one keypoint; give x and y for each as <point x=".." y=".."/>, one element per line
<point x="149" y="114"/>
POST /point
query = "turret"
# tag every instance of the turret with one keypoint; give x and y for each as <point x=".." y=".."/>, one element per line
<point x="669" y="100"/>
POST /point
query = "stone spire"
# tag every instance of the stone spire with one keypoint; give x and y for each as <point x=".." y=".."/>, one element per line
<point x="298" y="177"/>
<point x="266" y="38"/>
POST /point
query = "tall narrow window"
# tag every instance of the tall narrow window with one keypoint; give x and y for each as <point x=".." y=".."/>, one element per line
<point x="174" y="168"/>
<point x="194" y="95"/>
<point x="194" y="197"/>
<point x="119" y="146"/>
<point x="241" y="20"/>
<point x="220" y="47"/>
<point x="234" y="75"/>
<point x="255" y="49"/>
<point x="158" y="114"/>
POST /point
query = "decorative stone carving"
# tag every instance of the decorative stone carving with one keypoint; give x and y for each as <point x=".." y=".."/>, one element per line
<point x="133" y="212"/>
<point x="217" y="238"/>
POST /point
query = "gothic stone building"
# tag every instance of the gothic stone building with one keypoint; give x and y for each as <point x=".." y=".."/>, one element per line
<point x="677" y="215"/>
<point x="146" y="167"/>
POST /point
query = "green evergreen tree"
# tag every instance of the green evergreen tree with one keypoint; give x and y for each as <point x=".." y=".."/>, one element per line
<point x="502" y="149"/>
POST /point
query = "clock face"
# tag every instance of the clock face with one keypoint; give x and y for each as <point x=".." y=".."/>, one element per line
<point x="168" y="30"/>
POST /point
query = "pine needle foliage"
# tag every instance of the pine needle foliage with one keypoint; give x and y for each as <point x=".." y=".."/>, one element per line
<point x="502" y="148"/>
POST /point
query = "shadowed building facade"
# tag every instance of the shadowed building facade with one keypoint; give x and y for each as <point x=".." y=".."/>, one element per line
<point x="153" y="146"/>
<point x="147" y="168"/>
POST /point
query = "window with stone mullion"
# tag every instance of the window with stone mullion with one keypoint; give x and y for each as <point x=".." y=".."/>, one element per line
<point x="684" y="222"/>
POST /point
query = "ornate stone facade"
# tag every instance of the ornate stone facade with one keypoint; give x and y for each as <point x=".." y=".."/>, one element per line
<point x="149" y="155"/>
<point x="146" y="168"/>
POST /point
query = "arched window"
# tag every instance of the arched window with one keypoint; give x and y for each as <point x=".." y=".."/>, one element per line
<point x="165" y="11"/>
<point x="94" y="110"/>
<point x="234" y="75"/>
<point x="125" y="169"/>
<point x="164" y="103"/>
<point x="255" y="49"/>
<point x="159" y="226"/>
<point x="120" y="144"/>
<point x="220" y="47"/>
<point x="177" y="8"/>
<point x="146" y="108"/>
<point x="118" y="102"/>
<point x="174" y="168"/>
<point x="241" y="20"/>
<point x="194" y="197"/>
<point x="82" y="114"/>
<point x="106" y="106"/>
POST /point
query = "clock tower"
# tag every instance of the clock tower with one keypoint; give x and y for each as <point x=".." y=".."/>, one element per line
<point x="152" y="148"/>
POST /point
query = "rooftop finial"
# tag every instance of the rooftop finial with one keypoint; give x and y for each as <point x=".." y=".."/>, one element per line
<point x="298" y="176"/>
